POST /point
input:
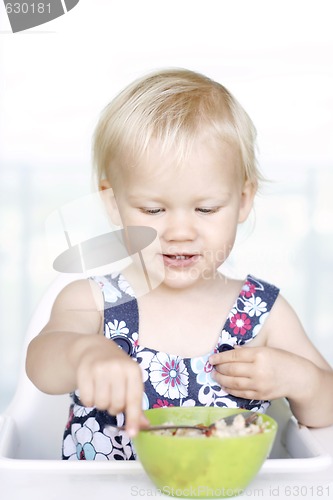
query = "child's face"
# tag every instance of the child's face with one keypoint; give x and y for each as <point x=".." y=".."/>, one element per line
<point x="194" y="207"/>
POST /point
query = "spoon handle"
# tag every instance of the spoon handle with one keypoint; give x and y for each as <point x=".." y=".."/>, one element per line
<point x="163" y="427"/>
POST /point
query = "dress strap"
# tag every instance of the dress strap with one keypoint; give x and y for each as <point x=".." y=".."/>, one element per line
<point x="121" y="314"/>
<point x="250" y="310"/>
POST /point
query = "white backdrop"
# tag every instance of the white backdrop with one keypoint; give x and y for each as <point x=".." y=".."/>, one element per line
<point x="275" y="56"/>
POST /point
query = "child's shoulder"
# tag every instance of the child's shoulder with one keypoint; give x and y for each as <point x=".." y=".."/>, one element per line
<point x="84" y="294"/>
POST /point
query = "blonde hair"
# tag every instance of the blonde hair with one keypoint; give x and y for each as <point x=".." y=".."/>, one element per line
<point x="173" y="106"/>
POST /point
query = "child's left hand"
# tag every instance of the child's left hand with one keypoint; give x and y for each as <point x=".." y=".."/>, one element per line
<point x="258" y="372"/>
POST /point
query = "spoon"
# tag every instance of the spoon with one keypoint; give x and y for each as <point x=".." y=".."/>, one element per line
<point x="249" y="419"/>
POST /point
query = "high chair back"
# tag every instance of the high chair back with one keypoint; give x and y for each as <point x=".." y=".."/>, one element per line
<point x="32" y="425"/>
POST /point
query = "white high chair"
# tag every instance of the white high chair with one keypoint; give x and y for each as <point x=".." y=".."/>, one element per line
<point x="34" y="418"/>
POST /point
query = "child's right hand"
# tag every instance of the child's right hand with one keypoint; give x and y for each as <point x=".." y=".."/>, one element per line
<point x="110" y="380"/>
<point x="72" y="353"/>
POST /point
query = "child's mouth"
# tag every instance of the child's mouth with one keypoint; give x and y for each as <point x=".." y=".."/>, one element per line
<point x="179" y="257"/>
<point x="180" y="260"/>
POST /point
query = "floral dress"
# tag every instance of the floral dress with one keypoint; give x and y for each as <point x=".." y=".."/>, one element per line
<point x="169" y="380"/>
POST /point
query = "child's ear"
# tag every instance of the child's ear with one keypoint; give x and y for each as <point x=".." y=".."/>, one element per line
<point x="110" y="203"/>
<point x="246" y="203"/>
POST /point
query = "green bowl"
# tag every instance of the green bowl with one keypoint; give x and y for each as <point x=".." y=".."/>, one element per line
<point x="201" y="467"/>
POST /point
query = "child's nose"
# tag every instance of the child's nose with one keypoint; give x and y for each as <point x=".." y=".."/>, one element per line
<point x="180" y="227"/>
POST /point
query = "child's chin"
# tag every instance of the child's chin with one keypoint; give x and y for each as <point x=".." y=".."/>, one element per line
<point x="180" y="280"/>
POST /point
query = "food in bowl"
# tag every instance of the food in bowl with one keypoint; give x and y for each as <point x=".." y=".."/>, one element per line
<point x="221" y="429"/>
<point x="200" y="467"/>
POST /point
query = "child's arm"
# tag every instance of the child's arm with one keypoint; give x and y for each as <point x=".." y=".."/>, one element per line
<point x="71" y="353"/>
<point x="286" y="364"/>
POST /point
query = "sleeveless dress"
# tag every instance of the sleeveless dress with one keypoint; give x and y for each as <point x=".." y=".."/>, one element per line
<point x="169" y="380"/>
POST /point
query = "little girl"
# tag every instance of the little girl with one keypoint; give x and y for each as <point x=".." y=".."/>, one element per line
<point x="175" y="152"/>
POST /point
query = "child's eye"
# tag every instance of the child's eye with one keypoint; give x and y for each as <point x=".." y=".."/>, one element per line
<point x="151" y="211"/>
<point x="207" y="210"/>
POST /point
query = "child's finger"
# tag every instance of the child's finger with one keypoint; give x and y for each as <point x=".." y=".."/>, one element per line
<point x="240" y="369"/>
<point x="236" y="355"/>
<point x="117" y="397"/>
<point x="133" y="410"/>
<point x="234" y="385"/>
<point x="102" y="396"/>
<point x="86" y="390"/>
<point x="218" y="358"/>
